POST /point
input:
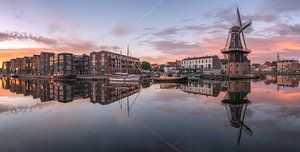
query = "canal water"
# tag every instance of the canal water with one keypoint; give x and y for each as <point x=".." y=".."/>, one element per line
<point x="256" y="115"/>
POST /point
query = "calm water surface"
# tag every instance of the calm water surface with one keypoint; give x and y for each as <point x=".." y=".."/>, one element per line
<point x="40" y="115"/>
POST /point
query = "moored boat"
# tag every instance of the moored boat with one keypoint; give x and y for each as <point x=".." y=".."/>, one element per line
<point x="123" y="77"/>
<point x="169" y="78"/>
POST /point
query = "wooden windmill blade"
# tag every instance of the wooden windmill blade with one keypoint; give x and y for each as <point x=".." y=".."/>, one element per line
<point x="240" y="24"/>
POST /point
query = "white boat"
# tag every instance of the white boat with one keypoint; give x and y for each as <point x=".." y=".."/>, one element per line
<point x="124" y="77"/>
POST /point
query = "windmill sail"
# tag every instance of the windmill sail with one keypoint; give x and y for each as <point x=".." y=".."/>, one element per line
<point x="240" y="23"/>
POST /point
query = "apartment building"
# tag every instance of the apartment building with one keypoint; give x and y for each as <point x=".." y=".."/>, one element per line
<point x="62" y="64"/>
<point x="26" y="65"/>
<point x="105" y="63"/>
<point x="81" y="64"/>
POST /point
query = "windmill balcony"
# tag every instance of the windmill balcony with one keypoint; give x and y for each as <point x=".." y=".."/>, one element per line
<point x="230" y="50"/>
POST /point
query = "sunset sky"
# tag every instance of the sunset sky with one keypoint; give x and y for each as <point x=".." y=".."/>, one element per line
<point x="156" y="30"/>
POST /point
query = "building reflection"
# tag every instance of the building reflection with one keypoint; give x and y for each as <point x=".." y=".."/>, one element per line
<point x="204" y="87"/>
<point x="98" y="91"/>
<point x="236" y="102"/>
<point x="104" y="93"/>
<point x="283" y="81"/>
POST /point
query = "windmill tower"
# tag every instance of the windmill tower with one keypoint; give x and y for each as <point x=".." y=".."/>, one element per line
<point x="236" y="50"/>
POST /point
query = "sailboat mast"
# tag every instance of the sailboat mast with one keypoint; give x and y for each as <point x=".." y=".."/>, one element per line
<point x="127" y="58"/>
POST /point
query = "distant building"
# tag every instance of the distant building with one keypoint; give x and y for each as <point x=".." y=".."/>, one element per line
<point x="41" y="63"/>
<point x="6" y="67"/>
<point x="35" y="64"/>
<point x="224" y="64"/>
<point x="154" y="66"/>
<point x="13" y="65"/>
<point x="288" y="65"/>
<point x="268" y="67"/>
<point x="104" y="62"/>
<point x="201" y="63"/>
<point x="255" y="68"/>
<point x="26" y="65"/>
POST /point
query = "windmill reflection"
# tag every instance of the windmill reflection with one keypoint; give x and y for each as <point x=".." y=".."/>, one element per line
<point x="236" y="102"/>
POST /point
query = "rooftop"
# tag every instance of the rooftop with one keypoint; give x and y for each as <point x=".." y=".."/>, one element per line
<point x="202" y="57"/>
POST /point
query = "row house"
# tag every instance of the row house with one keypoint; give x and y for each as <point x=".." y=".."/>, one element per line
<point x="105" y="63"/>
<point x="288" y="65"/>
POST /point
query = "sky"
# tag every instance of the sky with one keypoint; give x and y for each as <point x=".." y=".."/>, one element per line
<point x="156" y="30"/>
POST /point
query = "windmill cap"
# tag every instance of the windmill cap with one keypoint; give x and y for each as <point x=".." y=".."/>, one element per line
<point x="235" y="29"/>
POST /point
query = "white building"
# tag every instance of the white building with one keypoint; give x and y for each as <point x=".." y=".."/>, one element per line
<point x="201" y="63"/>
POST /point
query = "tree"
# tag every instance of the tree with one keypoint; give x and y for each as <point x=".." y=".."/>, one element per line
<point x="145" y="65"/>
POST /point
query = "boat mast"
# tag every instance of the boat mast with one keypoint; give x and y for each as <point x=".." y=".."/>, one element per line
<point x="127" y="58"/>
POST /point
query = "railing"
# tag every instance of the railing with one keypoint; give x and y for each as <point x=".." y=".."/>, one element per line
<point x="227" y="50"/>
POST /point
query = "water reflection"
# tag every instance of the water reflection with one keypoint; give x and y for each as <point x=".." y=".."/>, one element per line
<point x="236" y="102"/>
<point x="195" y="116"/>
<point x="283" y="80"/>
<point x="98" y="91"/>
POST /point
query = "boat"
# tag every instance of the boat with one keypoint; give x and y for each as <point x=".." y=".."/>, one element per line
<point x="61" y="77"/>
<point x="124" y="77"/>
<point x="165" y="77"/>
<point x="194" y="77"/>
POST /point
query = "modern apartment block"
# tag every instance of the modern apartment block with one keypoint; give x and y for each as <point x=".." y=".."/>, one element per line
<point x="201" y="63"/>
<point x="35" y="64"/>
<point x="44" y="67"/>
<point x="41" y="63"/>
<point x="26" y="65"/>
<point x="62" y="64"/>
<point x="81" y="64"/>
<point x="105" y="63"/>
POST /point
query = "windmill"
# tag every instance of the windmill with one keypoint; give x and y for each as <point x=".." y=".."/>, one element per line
<point x="236" y="49"/>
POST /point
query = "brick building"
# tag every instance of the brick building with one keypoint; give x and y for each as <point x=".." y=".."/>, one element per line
<point x="81" y="64"/>
<point x="26" y="65"/>
<point x="104" y="62"/>
<point x="62" y="64"/>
